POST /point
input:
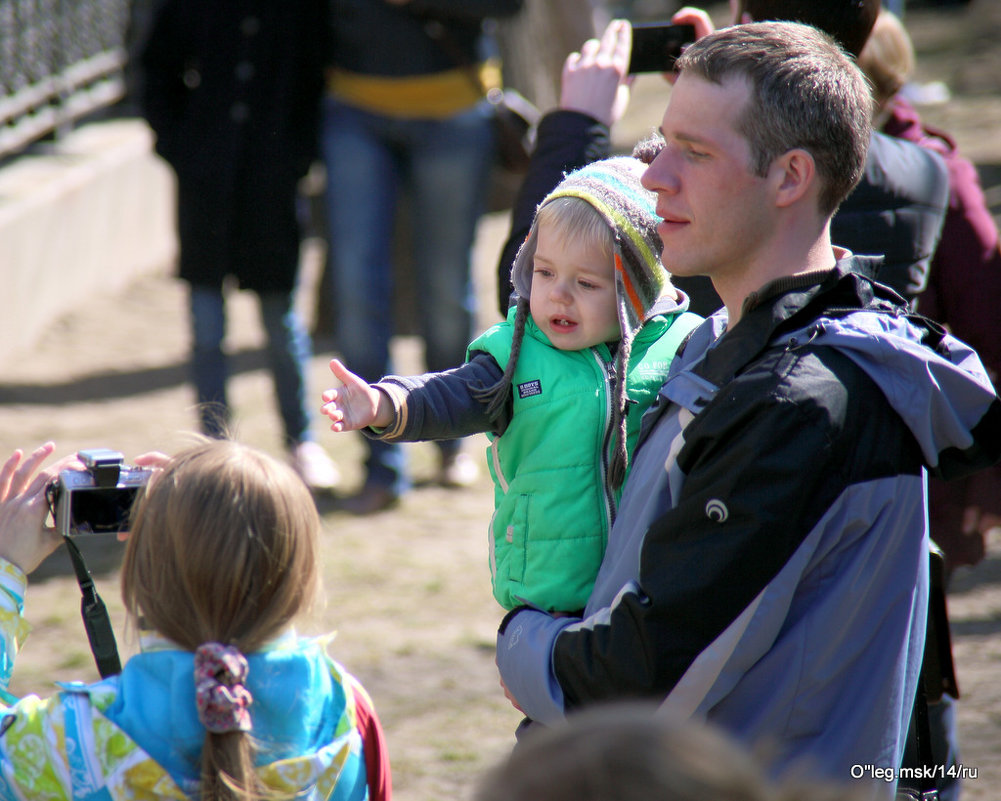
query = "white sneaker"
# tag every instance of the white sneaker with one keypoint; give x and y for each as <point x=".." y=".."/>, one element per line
<point x="313" y="465"/>
<point x="458" y="471"/>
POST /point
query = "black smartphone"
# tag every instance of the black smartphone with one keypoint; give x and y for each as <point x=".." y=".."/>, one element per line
<point x="657" y="44"/>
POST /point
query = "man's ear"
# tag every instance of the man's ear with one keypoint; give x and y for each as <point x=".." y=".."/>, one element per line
<point x="794" y="175"/>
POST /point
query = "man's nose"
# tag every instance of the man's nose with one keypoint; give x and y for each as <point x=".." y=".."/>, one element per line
<point x="661" y="175"/>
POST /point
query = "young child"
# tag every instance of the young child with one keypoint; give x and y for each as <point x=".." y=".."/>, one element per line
<point x="559" y="387"/>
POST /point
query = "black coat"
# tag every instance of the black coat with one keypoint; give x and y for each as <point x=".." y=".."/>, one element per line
<point x="232" y="89"/>
<point x="897" y="210"/>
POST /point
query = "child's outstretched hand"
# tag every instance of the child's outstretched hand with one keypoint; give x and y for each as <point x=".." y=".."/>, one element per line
<point x="356" y="404"/>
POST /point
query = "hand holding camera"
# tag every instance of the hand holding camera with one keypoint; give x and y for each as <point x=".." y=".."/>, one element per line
<point x="99" y="498"/>
<point x="89" y="492"/>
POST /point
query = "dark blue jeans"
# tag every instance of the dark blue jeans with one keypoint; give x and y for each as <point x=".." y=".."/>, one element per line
<point x="289" y="351"/>
<point x="441" y="166"/>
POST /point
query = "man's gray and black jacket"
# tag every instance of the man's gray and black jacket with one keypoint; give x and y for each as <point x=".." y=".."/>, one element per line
<point x="768" y="567"/>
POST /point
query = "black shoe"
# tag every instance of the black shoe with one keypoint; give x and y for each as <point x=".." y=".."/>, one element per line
<point x="370" y="500"/>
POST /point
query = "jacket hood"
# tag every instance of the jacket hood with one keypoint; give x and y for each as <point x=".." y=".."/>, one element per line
<point x="303" y="712"/>
<point x="935" y="382"/>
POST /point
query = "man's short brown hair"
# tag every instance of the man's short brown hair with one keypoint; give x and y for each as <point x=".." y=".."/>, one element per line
<point x="805" y="93"/>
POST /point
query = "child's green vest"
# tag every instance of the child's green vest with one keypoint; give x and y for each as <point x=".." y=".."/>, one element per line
<point x="553" y="505"/>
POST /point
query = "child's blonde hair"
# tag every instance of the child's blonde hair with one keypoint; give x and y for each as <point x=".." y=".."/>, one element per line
<point x="223" y="549"/>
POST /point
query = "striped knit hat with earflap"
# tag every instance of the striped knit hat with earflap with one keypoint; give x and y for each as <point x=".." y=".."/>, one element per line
<point x="612" y="187"/>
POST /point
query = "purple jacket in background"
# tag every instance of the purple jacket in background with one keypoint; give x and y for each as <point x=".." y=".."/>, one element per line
<point x="964" y="293"/>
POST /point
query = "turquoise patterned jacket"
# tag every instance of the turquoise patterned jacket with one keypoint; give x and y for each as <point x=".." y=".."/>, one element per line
<point x="136" y="736"/>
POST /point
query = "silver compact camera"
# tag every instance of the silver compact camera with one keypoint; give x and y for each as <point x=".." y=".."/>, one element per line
<point x="99" y="499"/>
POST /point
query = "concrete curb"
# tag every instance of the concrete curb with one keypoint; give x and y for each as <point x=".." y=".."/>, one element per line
<point x="84" y="216"/>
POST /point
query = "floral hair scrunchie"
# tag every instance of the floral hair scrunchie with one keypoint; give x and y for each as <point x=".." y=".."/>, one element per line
<point x="223" y="700"/>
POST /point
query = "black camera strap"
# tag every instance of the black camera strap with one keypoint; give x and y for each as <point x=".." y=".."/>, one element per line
<point x="95" y="617"/>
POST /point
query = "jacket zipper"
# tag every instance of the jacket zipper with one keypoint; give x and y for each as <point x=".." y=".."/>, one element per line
<point x="607" y="369"/>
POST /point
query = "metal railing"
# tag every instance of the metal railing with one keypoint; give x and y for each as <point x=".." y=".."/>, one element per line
<point x="61" y="60"/>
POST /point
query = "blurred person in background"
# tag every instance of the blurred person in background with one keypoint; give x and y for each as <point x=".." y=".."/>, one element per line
<point x="232" y="92"/>
<point x="631" y="752"/>
<point x="964" y="293"/>
<point x="405" y="120"/>
<point x="964" y="284"/>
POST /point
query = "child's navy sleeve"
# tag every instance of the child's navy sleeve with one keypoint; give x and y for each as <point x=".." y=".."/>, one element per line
<point x="437" y="406"/>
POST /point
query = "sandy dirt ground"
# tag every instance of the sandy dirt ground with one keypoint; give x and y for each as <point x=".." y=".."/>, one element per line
<point x="407" y="591"/>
